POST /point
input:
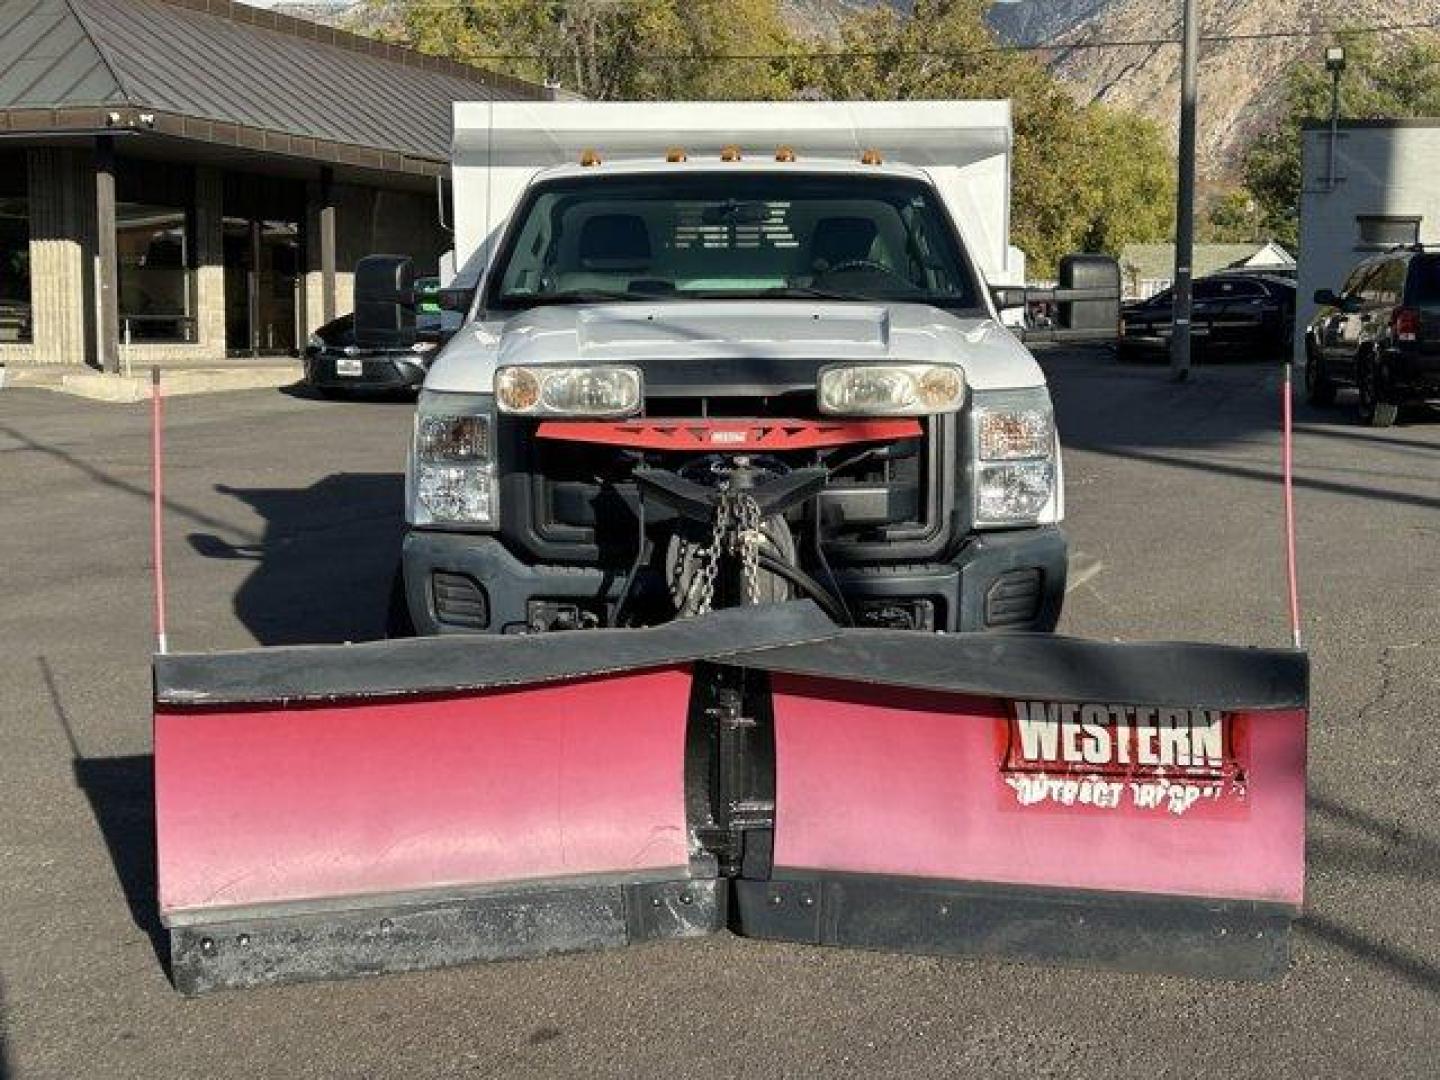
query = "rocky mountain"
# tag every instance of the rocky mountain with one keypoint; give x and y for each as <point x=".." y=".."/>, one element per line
<point x="1241" y="80"/>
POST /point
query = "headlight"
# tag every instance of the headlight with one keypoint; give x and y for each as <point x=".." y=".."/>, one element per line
<point x="891" y="389"/>
<point x="604" y="392"/>
<point x="1015" y="461"/>
<point x="452" y="470"/>
<point x="315" y="342"/>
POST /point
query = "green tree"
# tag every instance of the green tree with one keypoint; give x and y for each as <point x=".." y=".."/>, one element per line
<point x="604" y="50"/>
<point x="1233" y="217"/>
<point x="1378" y="84"/>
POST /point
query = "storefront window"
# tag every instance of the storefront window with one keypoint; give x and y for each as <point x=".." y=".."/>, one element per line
<point x="153" y="245"/>
<point x="15" y="320"/>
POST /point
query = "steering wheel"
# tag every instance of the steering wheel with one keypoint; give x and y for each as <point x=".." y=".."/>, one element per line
<point x="861" y="264"/>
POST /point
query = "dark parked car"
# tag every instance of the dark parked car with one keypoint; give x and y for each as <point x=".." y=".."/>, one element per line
<point x="334" y="364"/>
<point x="1249" y="314"/>
<point x="1381" y="333"/>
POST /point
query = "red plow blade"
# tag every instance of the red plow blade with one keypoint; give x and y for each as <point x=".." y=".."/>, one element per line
<point x="331" y="811"/>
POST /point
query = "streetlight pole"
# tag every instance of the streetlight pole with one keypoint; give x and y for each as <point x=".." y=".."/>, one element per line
<point x="1335" y="64"/>
<point x="1185" y="202"/>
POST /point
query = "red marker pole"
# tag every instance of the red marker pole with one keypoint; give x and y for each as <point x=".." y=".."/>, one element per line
<point x="157" y="508"/>
<point x="1287" y="455"/>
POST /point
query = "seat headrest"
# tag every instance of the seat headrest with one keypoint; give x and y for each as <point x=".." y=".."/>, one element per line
<point x="615" y="242"/>
<point x="842" y="239"/>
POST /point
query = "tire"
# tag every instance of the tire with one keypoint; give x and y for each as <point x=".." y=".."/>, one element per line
<point x="1319" y="388"/>
<point x="1376" y="409"/>
<point x="398" y="623"/>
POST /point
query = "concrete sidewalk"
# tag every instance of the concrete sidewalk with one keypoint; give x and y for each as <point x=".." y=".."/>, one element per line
<point x="175" y="379"/>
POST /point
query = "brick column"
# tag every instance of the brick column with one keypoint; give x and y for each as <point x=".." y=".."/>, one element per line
<point x="62" y="255"/>
<point x="210" y="261"/>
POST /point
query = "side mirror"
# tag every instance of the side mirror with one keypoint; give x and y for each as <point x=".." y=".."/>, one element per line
<point x="1085" y="306"/>
<point x="1095" y="317"/>
<point x="1326" y="298"/>
<point x="385" y="302"/>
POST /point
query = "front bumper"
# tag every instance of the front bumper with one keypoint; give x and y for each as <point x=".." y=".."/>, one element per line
<point x="1012" y="581"/>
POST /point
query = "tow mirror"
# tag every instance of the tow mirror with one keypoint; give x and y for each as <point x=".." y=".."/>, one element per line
<point x="385" y="302"/>
<point x="1084" y="306"/>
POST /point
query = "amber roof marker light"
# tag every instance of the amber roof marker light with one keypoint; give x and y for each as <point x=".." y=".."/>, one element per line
<point x="589" y="158"/>
<point x="785" y="153"/>
<point x="675" y="155"/>
<point x="872" y="157"/>
<point x="730" y="153"/>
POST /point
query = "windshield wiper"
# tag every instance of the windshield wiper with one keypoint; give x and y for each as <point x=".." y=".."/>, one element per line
<point x="809" y="292"/>
<point x="573" y="296"/>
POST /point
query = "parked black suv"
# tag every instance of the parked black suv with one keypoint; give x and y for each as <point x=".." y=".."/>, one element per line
<point x="1381" y="334"/>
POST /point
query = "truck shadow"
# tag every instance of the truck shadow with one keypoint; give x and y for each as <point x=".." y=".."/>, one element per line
<point x="121" y="793"/>
<point x="324" y="562"/>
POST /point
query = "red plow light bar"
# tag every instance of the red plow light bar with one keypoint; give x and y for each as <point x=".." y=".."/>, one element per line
<point x="729" y="436"/>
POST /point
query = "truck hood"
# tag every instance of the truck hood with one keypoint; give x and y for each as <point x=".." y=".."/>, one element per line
<point x="993" y="359"/>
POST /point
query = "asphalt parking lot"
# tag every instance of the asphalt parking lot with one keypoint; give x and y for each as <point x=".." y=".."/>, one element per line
<point x="283" y="525"/>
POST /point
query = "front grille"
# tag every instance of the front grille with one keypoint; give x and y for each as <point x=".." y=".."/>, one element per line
<point x="573" y="503"/>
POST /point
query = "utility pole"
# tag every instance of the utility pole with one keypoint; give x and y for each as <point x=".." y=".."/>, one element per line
<point x="1185" y="203"/>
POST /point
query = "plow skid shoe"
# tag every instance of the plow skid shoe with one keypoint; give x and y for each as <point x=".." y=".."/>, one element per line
<point x="342" y="810"/>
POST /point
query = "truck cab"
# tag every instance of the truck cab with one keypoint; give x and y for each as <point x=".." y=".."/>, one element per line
<point x="656" y="339"/>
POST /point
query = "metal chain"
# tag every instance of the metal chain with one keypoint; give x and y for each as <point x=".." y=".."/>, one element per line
<point x="703" y="590"/>
<point x="737" y="532"/>
<point x="748" y="539"/>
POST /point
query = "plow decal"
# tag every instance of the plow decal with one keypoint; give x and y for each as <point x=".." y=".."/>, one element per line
<point x="1111" y="757"/>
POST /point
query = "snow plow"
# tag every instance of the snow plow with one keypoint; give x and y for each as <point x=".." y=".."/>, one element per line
<point x="734" y="550"/>
<point x="341" y="810"/>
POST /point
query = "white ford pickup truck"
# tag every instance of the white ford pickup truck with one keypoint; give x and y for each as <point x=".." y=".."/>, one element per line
<point x="719" y="354"/>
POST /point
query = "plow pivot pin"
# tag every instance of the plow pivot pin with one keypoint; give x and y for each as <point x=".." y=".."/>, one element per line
<point x="243" y="941"/>
<point x="385" y="927"/>
<point x="207" y="946"/>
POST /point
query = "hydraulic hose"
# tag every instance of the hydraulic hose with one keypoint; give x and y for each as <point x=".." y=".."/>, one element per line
<point x="808" y="585"/>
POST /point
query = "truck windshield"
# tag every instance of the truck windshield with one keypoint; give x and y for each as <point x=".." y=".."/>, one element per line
<point x="686" y="235"/>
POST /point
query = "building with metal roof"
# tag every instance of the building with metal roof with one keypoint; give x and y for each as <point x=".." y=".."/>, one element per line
<point x="190" y="179"/>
